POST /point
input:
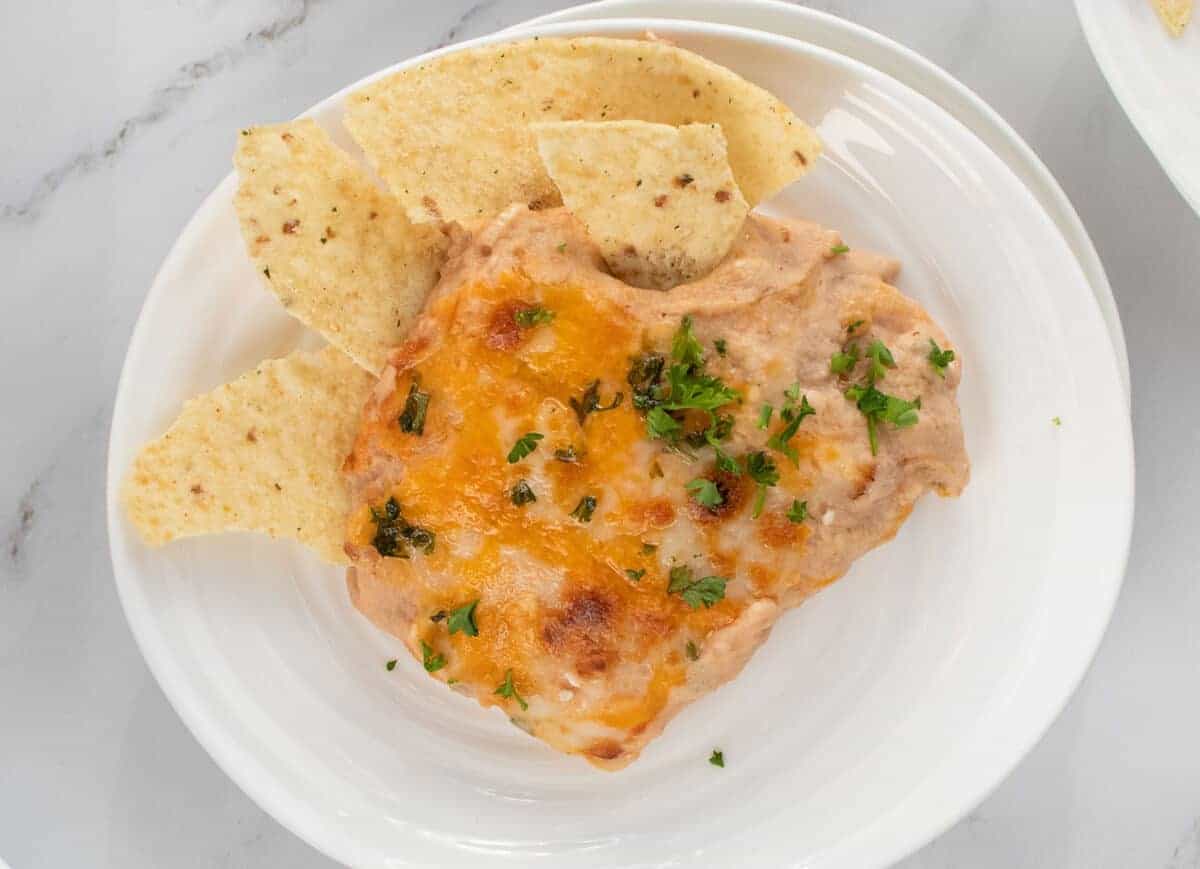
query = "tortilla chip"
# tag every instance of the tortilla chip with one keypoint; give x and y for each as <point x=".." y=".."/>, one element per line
<point x="1175" y="14"/>
<point x="337" y="251"/>
<point x="451" y="137"/>
<point x="660" y="201"/>
<point x="262" y="453"/>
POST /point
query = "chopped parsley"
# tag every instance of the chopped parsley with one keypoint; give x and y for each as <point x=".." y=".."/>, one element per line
<point x="561" y="247"/>
<point x="853" y="326"/>
<point x="705" y="493"/>
<point x="726" y="462"/>
<point x="838" y="250"/>
<point x="798" y="512"/>
<point x="527" y="318"/>
<point x="584" y="509"/>
<point x="394" y="535"/>
<point x="793" y="415"/>
<point x="717" y="758"/>
<point x="881" y="360"/>
<point x="1057" y="421"/>
<point x="761" y="470"/>
<point x="412" y="418"/>
<point x="432" y="662"/>
<point x="764" y="416"/>
<point x="525" y="445"/>
<point x="667" y="393"/>
<point x="463" y="619"/>
<point x="695" y="592"/>
<point x="939" y="358"/>
<point x="522" y="493"/>
<point x="844" y="361"/>
<point x="721" y="347"/>
<point x="649" y="549"/>
<point x="693" y="653"/>
<point x="589" y="402"/>
<point x="390" y="665"/>
<point x="635" y="575"/>
<point x="880" y="407"/>
<point x="509" y="690"/>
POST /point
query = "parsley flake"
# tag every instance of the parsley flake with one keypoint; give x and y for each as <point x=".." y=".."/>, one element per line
<point x="391" y="665"/>
<point x="850" y="328"/>
<point x="589" y="402"/>
<point x="463" y="619"/>
<point x="838" y="250"/>
<point x="695" y="592"/>
<point x="798" y="512"/>
<point x="584" y="509"/>
<point x="881" y="359"/>
<point x="879" y="407"/>
<point x="761" y="470"/>
<point x="684" y="347"/>
<point x="764" y="416"/>
<point x="844" y="361"/>
<point x="412" y="418"/>
<point x="721" y="347"/>
<point x="525" y="445"/>
<point x="717" y="758"/>
<point x="705" y="493"/>
<point x="794" y="416"/>
<point x="432" y="662"/>
<point x="939" y="358"/>
<point x="1057" y="421"/>
<point x="536" y="315"/>
<point x="635" y="575"/>
<point x="509" y="690"/>
<point x="693" y="653"/>
<point x="522" y="493"/>
<point x="394" y="535"/>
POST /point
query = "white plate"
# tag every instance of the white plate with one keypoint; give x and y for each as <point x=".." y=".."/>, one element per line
<point x="1156" y="79"/>
<point x="876" y="714"/>
<point x="904" y="65"/>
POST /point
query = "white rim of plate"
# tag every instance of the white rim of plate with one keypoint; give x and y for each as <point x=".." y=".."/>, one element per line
<point x="909" y="68"/>
<point x="1139" y="114"/>
<point x="245" y="769"/>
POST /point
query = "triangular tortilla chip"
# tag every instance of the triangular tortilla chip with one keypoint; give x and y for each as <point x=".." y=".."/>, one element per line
<point x="337" y="251"/>
<point x="660" y="201"/>
<point x="1175" y="14"/>
<point x="263" y="453"/>
<point x="451" y="137"/>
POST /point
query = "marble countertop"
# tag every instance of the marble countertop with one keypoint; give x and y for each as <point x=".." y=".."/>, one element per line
<point x="119" y="115"/>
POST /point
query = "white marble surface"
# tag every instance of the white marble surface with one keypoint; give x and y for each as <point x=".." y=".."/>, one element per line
<point x="118" y="116"/>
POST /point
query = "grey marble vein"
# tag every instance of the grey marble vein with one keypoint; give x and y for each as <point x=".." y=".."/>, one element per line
<point x="453" y="32"/>
<point x="162" y="103"/>
<point x="23" y="523"/>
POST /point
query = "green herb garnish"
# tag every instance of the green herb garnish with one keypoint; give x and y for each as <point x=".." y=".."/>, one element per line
<point x="798" y="512"/>
<point x="879" y="407"/>
<point x="693" y="654"/>
<point x="635" y="575"/>
<point x="881" y="360"/>
<point x="761" y="470"/>
<point x="589" y="402"/>
<point x="394" y="535"/>
<point x="584" y="509"/>
<point x="412" y="418"/>
<point x="463" y="619"/>
<point x="525" y="445"/>
<point x="522" y="493"/>
<point x="390" y="665"/>
<point x="684" y="347"/>
<point x="721" y="346"/>
<point x="649" y="549"/>
<point x="838" y="250"/>
<point x="794" y="416"/>
<point x="695" y="592"/>
<point x="432" y="662"/>
<point x="1057" y="421"/>
<point x="844" y="361"/>
<point x="850" y="329"/>
<point x="527" y="318"/>
<point x="764" y="416"/>
<point x="643" y="377"/>
<point x="939" y="358"/>
<point x="509" y="690"/>
<point x="717" y="758"/>
<point x="705" y="493"/>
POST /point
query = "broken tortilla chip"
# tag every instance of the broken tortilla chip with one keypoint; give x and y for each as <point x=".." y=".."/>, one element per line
<point x="660" y="201"/>
<point x="263" y="453"/>
<point x="337" y="251"/>
<point x="1175" y="14"/>
<point x="451" y="137"/>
